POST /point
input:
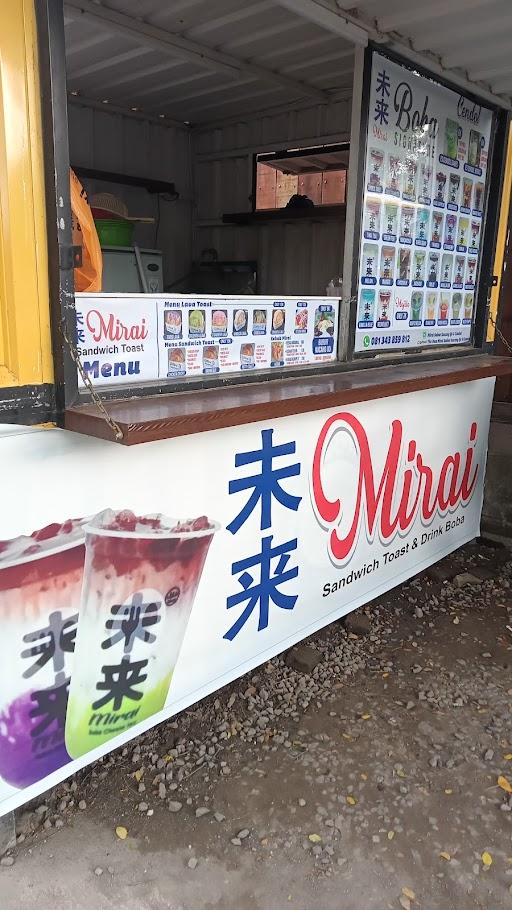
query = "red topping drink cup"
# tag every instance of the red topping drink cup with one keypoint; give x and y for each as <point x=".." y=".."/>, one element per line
<point x="140" y="580"/>
<point x="40" y="587"/>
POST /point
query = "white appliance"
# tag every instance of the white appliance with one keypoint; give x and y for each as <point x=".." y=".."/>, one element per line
<point x="121" y="272"/>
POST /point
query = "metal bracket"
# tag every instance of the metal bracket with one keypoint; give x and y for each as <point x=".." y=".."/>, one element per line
<point x="70" y="257"/>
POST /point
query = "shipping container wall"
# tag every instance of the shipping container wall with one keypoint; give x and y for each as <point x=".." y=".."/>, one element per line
<point x="297" y="258"/>
<point x="112" y="142"/>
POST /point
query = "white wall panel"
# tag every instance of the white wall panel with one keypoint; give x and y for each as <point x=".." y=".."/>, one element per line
<point x="292" y="258"/>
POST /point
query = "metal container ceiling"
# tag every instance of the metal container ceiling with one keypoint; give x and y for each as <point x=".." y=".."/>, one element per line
<point x="467" y="40"/>
<point x="201" y="61"/>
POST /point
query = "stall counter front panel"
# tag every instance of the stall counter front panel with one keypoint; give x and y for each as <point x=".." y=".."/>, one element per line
<point x="137" y="580"/>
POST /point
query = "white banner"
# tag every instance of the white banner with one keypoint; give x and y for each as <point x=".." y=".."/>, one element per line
<point x="425" y="187"/>
<point x="115" y="620"/>
<point x="133" y="338"/>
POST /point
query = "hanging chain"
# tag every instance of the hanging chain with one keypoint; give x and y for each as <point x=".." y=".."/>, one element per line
<point x="75" y="357"/>
<point x="500" y="334"/>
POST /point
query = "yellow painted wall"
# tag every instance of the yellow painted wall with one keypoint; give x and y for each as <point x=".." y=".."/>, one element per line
<point x="25" y="343"/>
<point x="501" y="240"/>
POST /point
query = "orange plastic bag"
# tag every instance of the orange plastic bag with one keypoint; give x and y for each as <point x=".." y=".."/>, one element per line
<point x="87" y="276"/>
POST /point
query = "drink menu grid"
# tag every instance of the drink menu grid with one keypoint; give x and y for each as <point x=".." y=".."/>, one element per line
<point x="425" y="186"/>
<point x="125" y="339"/>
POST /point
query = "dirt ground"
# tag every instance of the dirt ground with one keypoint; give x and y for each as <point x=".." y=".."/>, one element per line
<point x="371" y="782"/>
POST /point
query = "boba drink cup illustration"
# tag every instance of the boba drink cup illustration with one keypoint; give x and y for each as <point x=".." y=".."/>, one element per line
<point x="370" y="253"/>
<point x="409" y="177"/>
<point x="453" y="189"/>
<point x="40" y="586"/>
<point x="440" y="185"/>
<point x="407" y="219"/>
<point x="376" y="162"/>
<point x="462" y="233"/>
<point x="390" y="217"/>
<point x="451" y="143"/>
<point x="384" y="304"/>
<point x="416" y="306"/>
<point x="444" y="306"/>
<point x="475" y="234"/>
<point x="437" y="227"/>
<point x="460" y="263"/>
<point x="422" y="221"/>
<point x="449" y="229"/>
<point x="372" y="215"/>
<point x="140" y="579"/>
<point x="433" y="266"/>
<point x="467" y="191"/>
<point x="431" y="307"/>
<point x="456" y="305"/>
<point x="479" y="195"/>
<point x="387" y="262"/>
<point x="404" y="264"/>
<point x="474" y="148"/>
<point x="418" y="265"/>
<point x="470" y="271"/>
<point x="366" y="305"/>
<point x="446" y="267"/>
<point x="425" y="179"/>
<point x="468" y="306"/>
<point x="393" y="176"/>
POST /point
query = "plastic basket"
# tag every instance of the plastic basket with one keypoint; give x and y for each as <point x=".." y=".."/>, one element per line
<point x="114" y="231"/>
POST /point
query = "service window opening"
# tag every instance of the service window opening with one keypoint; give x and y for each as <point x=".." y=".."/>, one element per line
<point x="219" y="174"/>
<point x="178" y="155"/>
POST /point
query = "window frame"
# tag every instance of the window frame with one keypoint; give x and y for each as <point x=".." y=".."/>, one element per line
<point x="265" y="157"/>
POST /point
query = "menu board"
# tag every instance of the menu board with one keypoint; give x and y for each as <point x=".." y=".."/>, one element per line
<point x="424" y="194"/>
<point x="137" y="338"/>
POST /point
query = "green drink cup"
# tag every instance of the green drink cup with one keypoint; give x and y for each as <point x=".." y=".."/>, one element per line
<point x="416" y="306"/>
<point x="140" y="580"/>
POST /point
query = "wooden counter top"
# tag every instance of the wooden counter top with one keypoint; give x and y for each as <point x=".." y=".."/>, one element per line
<point x="182" y="413"/>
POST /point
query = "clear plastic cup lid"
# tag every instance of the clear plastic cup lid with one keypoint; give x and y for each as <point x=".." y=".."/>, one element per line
<point x="124" y="523"/>
<point x="52" y="539"/>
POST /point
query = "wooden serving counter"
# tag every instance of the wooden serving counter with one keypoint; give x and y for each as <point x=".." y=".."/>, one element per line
<point x="145" y="419"/>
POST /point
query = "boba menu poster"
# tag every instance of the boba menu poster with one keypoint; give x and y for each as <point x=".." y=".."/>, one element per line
<point x="424" y="195"/>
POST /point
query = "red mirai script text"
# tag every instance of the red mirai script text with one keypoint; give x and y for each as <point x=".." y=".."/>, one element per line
<point x="415" y="485"/>
<point x="109" y="328"/>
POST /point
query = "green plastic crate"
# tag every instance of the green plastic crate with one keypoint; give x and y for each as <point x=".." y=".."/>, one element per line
<point x="114" y="231"/>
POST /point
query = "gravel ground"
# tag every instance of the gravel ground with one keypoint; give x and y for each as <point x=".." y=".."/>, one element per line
<point x="367" y="768"/>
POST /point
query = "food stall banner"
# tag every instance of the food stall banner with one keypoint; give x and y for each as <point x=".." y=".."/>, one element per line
<point x="135" y="580"/>
<point x="425" y="186"/>
<point x="133" y="338"/>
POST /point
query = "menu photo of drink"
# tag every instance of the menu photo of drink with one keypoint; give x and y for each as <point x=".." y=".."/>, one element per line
<point x="423" y="205"/>
<point x="206" y="335"/>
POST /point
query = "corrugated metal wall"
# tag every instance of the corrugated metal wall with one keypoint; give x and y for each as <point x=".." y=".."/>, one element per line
<point x="111" y="142"/>
<point x="297" y="258"/>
